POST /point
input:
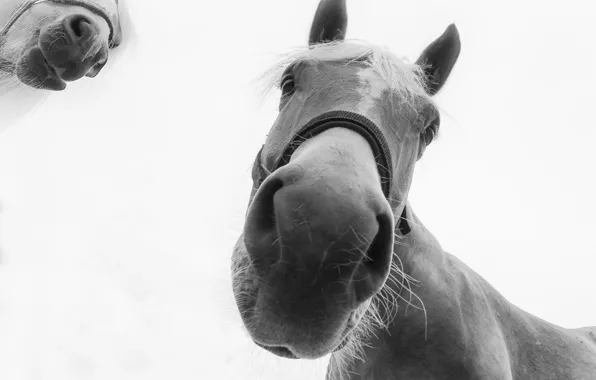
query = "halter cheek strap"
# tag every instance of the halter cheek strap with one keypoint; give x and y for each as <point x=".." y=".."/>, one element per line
<point x="87" y="4"/>
<point x="357" y="123"/>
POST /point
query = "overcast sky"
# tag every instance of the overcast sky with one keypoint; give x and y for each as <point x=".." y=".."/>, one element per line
<point x="121" y="197"/>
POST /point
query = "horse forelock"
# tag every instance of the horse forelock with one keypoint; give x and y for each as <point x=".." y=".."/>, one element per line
<point x="403" y="78"/>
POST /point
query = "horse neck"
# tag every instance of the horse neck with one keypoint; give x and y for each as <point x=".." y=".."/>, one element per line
<point x="440" y="278"/>
<point x="450" y="315"/>
<point x="429" y="327"/>
<point x="442" y="286"/>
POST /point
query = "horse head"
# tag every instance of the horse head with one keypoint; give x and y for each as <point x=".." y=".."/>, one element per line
<point x="331" y="184"/>
<point x="46" y="43"/>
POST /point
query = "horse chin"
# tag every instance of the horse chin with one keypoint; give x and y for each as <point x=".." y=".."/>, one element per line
<point x="246" y="290"/>
<point x="286" y="353"/>
<point x="34" y="70"/>
<point x="282" y="352"/>
<point x="246" y="308"/>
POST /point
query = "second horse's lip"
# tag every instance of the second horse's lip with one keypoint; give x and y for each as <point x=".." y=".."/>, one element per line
<point x="53" y="73"/>
<point x="51" y="70"/>
<point x="33" y="69"/>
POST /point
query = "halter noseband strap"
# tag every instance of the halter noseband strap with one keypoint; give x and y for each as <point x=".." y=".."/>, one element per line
<point x="356" y="123"/>
<point x="87" y="4"/>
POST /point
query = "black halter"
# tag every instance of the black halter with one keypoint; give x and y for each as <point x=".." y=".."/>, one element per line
<point x="355" y="122"/>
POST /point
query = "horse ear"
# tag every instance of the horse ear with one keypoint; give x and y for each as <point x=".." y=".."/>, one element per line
<point x="438" y="59"/>
<point x="330" y="22"/>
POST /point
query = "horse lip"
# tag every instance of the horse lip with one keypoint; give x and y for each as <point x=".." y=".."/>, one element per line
<point x="53" y="73"/>
<point x="279" y="351"/>
<point x="246" y="307"/>
<point x="34" y="70"/>
<point x="347" y="335"/>
<point x="342" y="344"/>
<point x="92" y="73"/>
<point x="51" y="70"/>
<point x="95" y="69"/>
<point x="288" y="354"/>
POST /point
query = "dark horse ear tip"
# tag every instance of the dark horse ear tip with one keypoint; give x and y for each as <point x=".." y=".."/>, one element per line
<point x="439" y="58"/>
<point x="452" y="33"/>
<point x="452" y="29"/>
<point x="450" y="37"/>
<point x="330" y="22"/>
<point x="338" y="4"/>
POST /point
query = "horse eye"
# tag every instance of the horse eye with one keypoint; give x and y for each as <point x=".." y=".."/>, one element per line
<point x="287" y="85"/>
<point x="430" y="133"/>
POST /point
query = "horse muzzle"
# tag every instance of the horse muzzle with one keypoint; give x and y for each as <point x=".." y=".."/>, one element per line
<point x="66" y="51"/>
<point x="319" y="235"/>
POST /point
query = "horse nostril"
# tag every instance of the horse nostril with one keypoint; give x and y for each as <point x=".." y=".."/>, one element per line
<point x="77" y="25"/>
<point x="378" y="259"/>
<point x="265" y="217"/>
<point x="260" y="233"/>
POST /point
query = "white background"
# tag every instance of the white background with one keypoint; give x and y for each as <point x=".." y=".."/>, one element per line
<point x="121" y="197"/>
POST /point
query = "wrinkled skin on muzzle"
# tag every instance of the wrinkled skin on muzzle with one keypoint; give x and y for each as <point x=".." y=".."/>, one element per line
<point x="53" y="42"/>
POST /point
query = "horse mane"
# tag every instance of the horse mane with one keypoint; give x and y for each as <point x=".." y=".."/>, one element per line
<point x="405" y="79"/>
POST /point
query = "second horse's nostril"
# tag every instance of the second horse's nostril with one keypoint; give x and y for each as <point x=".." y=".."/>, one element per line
<point x="76" y="25"/>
